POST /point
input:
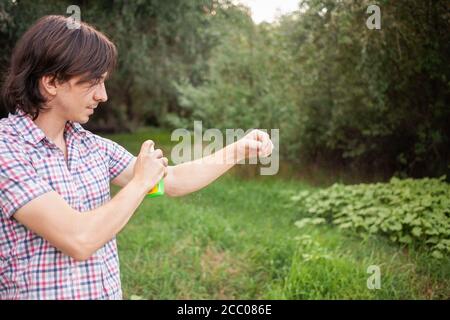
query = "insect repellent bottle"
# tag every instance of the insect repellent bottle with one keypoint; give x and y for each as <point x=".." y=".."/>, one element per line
<point x="157" y="190"/>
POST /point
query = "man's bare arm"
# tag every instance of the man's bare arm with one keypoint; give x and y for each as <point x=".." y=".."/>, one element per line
<point x="191" y="176"/>
<point x="80" y="234"/>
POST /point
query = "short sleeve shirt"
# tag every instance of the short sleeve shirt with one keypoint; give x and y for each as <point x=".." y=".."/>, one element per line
<point x="32" y="165"/>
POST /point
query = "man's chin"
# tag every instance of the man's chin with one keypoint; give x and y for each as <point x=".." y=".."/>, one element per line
<point x="83" y="120"/>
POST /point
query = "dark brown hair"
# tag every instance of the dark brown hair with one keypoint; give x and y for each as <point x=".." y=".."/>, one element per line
<point x="50" y="47"/>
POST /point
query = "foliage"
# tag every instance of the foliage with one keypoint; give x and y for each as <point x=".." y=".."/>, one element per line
<point x="343" y="95"/>
<point x="340" y="93"/>
<point x="159" y="42"/>
<point x="406" y="211"/>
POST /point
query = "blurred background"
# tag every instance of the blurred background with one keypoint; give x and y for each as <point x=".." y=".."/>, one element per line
<point x="368" y="109"/>
<point x="372" y="102"/>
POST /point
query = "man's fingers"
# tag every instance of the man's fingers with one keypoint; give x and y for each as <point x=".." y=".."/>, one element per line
<point x="165" y="161"/>
<point x="262" y="135"/>
<point x="259" y="135"/>
<point x="157" y="153"/>
<point x="253" y="144"/>
<point x="267" y="145"/>
<point x="254" y="147"/>
<point x="264" y="152"/>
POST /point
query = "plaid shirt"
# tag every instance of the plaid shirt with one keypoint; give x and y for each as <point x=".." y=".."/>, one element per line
<point x="31" y="165"/>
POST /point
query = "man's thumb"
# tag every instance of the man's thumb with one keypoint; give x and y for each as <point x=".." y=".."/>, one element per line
<point x="146" y="146"/>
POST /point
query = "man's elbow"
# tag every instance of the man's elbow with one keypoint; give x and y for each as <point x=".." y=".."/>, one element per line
<point x="81" y="249"/>
<point x="80" y="256"/>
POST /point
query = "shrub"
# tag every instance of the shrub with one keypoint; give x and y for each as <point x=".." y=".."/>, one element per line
<point x="408" y="211"/>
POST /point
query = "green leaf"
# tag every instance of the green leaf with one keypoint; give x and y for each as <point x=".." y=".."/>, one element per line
<point x="405" y="210"/>
<point x="417" y="231"/>
<point x="318" y="220"/>
<point x="437" y="254"/>
<point x="302" y="223"/>
<point x="406" y="239"/>
<point x="345" y="225"/>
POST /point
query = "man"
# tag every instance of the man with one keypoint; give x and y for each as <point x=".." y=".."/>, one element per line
<point x="57" y="220"/>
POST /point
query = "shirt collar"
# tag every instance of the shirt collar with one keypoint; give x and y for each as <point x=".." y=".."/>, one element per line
<point x="25" y="127"/>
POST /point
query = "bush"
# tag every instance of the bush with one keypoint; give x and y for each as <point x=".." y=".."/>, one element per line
<point x="408" y="211"/>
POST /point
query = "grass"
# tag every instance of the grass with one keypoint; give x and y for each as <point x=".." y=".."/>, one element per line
<point x="236" y="239"/>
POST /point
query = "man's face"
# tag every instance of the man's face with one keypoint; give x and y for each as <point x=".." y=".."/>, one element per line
<point x="76" y="101"/>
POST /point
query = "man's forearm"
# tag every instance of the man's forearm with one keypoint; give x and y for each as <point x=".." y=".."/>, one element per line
<point x="102" y="224"/>
<point x="194" y="175"/>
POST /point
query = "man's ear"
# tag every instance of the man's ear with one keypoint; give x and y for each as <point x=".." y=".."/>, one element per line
<point x="48" y="85"/>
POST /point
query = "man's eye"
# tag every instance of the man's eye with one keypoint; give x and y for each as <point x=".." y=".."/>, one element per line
<point x="95" y="82"/>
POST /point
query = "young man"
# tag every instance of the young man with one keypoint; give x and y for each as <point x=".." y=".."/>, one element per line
<point x="57" y="220"/>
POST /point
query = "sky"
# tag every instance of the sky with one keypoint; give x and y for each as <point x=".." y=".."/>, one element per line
<point x="268" y="10"/>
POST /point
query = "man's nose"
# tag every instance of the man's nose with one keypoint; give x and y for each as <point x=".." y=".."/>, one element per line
<point x="100" y="93"/>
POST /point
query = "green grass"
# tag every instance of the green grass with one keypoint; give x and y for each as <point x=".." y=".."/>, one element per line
<point x="236" y="239"/>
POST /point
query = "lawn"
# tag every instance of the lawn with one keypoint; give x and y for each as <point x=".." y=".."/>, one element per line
<point x="236" y="239"/>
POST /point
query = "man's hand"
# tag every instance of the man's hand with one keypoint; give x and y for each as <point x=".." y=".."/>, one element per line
<point x="255" y="143"/>
<point x="150" y="166"/>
